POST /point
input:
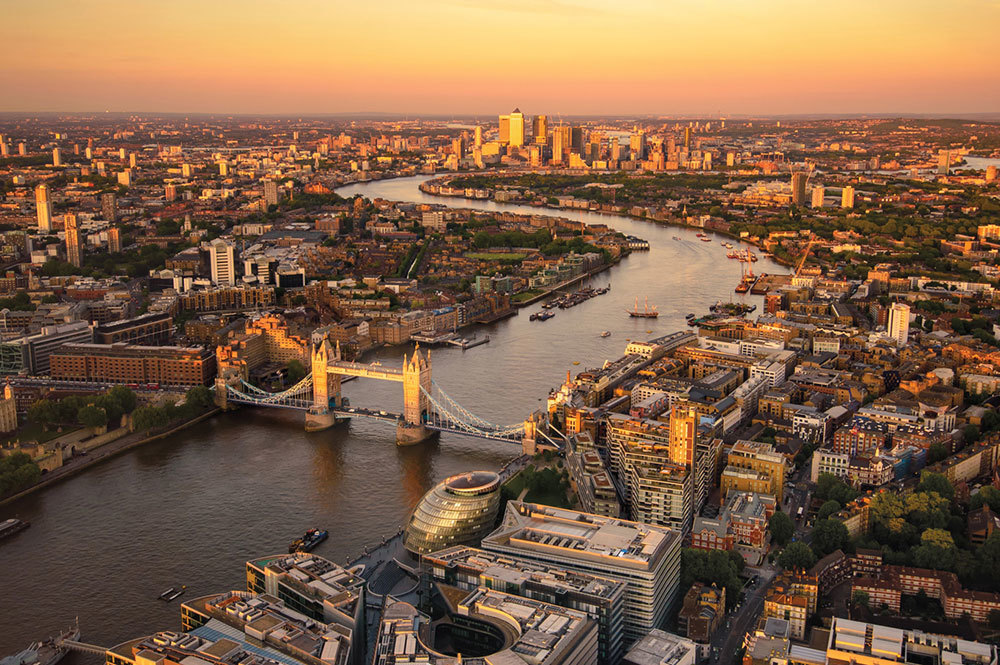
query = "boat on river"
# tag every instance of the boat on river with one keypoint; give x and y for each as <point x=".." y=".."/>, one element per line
<point x="646" y="312"/>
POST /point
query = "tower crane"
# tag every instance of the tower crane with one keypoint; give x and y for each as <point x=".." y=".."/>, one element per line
<point x="812" y="239"/>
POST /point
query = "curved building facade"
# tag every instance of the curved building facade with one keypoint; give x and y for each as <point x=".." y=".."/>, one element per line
<point x="460" y="510"/>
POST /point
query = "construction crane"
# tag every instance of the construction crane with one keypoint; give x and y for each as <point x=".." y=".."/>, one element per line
<point x="812" y="239"/>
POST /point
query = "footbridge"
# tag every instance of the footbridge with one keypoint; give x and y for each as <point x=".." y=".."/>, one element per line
<point x="427" y="408"/>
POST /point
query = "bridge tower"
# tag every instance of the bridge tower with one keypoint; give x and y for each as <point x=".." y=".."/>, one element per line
<point x="326" y="388"/>
<point x="416" y="406"/>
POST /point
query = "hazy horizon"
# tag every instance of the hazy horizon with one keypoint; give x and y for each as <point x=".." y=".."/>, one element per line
<point x="558" y="57"/>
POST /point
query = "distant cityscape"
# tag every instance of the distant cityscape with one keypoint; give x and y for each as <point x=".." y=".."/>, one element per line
<point x="802" y="473"/>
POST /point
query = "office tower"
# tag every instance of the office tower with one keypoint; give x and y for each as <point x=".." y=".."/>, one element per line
<point x="847" y="197"/>
<point x="271" y="192"/>
<point x="637" y="143"/>
<point x="798" y="188"/>
<point x="478" y="140"/>
<point x="56" y="157"/>
<point x="541" y="129"/>
<point x="616" y="150"/>
<point x="991" y="173"/>
<point x="505" y="129"/>
<point x="645" y="557"/>
<point x="44" y="208"/>
<point x="458" y="148"/>
<point x="72" y="239"/>
<point x="944" y="162"/>
<point x="222" y="258"/>
<point x="516" y="120"/>
<point x="114" y="240"/>
<point x="817" y="196"/>
<point x="687" y="137"/>
<point x="899" y="322"/>
<point x="109" y="206"/>
<point x="561" y="141"/>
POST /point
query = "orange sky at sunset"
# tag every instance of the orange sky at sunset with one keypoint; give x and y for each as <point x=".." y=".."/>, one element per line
<point x="477" y="56"/>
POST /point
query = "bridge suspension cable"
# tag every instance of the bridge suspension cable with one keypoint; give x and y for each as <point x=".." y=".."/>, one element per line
<point x="479" y="426"/>
<point x="468" y="416"/>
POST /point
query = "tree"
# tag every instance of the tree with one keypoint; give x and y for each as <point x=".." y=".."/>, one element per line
<point x="829" y="536"/>
<point x="43" y="412"/>
<point x="829" y="508"/>
<point x="860" y="597"/>
<point x="781" y="527"/>
<point x="936" y="453"/>
<point x="295" y="371"/>
<point x="936" y="482"/>
<point x="797" y="556"/>
<point x="937" y="538"/>
<point x="829" y="486"/>
<point x="149" y="417"/>
<point x="125" y="397"/>
<point x="970" y="434"/>
<point x="92" y="416"/>
<point x="199" y="396"/>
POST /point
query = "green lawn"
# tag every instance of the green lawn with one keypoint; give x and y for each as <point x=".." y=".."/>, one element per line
<point x="524" y="296"/>
<point x="33" y="432"/>
<point x="506" y="257"/>
<point x="545" y="486"/>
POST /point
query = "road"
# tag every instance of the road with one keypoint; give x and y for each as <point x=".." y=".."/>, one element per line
<point x="727" y="641"/>
<point x="729" y="638"/>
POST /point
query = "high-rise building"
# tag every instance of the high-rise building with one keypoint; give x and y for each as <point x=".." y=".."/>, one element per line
<point x="516" y="128"/>
<point x="847" y="197"/>
<point x="170" y="192"/>
<point x="72" y="239"/>
<point x="114" y="240"/>
<point x="109" y="206"/>
<point x="479" y="137"/>
<point x="645" y="557"/>
<point x="991" y="173"/>
<point x="658" y="488"/>
<point x="817" y="196"/>
<point x="899" y="323"/>
<point x="687" y="137"/>
<point x="561" y="137"/>
<point x="187" y="170"/>
<point x="44" y="208"/>
<point x="683" y="435"/>
<point x="271" y="192"/>
<point x="222" y="258"/>
<point x="944" y="162"/>
<point x="458" y="147"/>
<point x="56" y="157"/>
<point x="505" y="129"/>
<point x="541" y="129"/>
<point x="798" y="188"/>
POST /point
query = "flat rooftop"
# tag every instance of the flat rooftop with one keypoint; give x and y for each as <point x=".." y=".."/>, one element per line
<point x="573" y="534"/>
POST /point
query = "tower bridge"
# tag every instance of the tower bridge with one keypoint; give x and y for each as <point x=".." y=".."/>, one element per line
<point x="427" y="409"/>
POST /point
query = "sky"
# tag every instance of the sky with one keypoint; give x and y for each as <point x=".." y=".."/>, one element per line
<point x="560" y="57"/>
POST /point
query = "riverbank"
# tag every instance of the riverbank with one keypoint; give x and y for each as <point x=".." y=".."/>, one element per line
<point x="427" y="187"/>
<point x="104" y="453"/>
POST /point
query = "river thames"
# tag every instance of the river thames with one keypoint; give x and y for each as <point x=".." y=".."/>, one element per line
<point x="192" y="508"/>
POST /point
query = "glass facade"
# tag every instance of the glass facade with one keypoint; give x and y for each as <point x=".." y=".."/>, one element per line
<point x="460" y="510"/>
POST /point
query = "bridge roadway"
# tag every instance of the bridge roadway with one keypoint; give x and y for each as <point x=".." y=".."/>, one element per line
<point x="345" y="368"/>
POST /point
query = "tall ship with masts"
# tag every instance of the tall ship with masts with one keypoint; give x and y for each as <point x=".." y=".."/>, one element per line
<point x="646" y="312"/>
